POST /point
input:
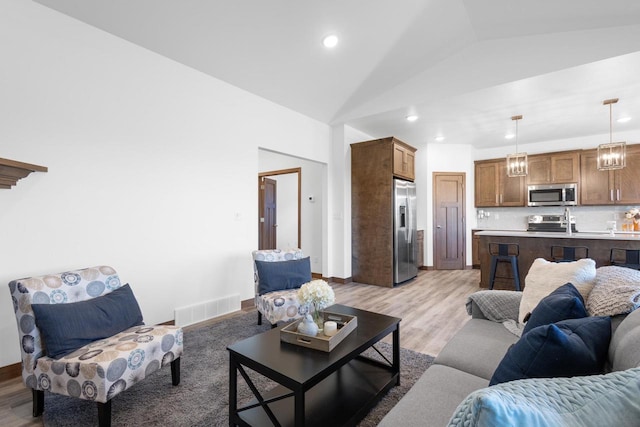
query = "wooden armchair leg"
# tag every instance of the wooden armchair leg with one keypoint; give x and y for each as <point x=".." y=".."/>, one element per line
<point x="259" y="318"/>
<point x="104" y="414"/>
<point x="175" y="371"/>
<point x="38" y="402"/>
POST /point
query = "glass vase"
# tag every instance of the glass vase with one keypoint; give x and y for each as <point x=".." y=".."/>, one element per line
<point x="316" y="313"/>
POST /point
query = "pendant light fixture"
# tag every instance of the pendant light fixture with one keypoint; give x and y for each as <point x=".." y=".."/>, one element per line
<point x="612" y="155"/>
<point x="517" y="164"/>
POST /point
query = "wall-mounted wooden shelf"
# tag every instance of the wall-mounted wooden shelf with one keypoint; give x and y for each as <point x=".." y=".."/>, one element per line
<point x="11" y="171"/>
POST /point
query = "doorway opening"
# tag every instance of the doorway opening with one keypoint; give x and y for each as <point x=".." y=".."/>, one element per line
<point x="274" y="226"/>
<point x="449" y="228"/>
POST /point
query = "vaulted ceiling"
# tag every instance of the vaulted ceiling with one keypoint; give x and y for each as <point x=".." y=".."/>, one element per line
<point x="464" y="67"/>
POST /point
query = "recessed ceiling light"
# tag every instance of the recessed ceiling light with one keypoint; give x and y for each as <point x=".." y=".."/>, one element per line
<point x="439" y="138"/>
<point x="624" y="119"/>
<point x="330" y="41"/>
<point x="509" y="136"/>
<point x="412" y="118"/>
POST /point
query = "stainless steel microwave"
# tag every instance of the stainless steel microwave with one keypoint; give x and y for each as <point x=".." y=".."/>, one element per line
<point x="553" y="195"/>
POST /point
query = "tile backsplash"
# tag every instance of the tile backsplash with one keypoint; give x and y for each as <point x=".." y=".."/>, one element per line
<point x="588" y="218"/>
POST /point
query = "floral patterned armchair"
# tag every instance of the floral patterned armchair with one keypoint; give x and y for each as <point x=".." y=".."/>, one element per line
<point x="276" y="295"/>
<point x="103" y="368"/>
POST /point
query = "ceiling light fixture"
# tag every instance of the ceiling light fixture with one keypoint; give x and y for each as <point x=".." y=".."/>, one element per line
<point x="517" y="164"/>
<point x="330" y="41"/>
<point x="439" y="138"/>
<point x="509" y="136"/>
<point x="612" y="155"/>
<point x="623" y="119"/>
<point x="412" y="118"/>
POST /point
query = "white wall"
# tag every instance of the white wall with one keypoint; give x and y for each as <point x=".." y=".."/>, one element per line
<point x="339" y="209"/>
<point x="142" y="152"/>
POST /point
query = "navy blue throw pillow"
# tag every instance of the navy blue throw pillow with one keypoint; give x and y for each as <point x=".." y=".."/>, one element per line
<point x="280" y="275"/>
<point x="562" y="304"/>
<point x="67" y="327"/>
<point x="565" y="349"/>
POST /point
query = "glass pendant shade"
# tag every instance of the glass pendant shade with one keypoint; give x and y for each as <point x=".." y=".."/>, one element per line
<point x="517" y="164"/>
<point x="612" y="156"/>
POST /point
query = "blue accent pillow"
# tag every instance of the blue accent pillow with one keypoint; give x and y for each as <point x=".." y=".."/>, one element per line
<point x="562" y="304"/>
<point x="280" y="275"/>
<point x="67" y="327"/>
<point x="565" y="349"/>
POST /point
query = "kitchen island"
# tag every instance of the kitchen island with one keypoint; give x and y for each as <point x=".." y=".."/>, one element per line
<point x="535" y="244"/>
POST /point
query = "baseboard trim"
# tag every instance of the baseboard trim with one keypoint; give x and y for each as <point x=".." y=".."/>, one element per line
<point x="10" y="372"/>
<point x="341" y="281"/>
<point x="466" y="267"/>
<point x="247" y="304"/>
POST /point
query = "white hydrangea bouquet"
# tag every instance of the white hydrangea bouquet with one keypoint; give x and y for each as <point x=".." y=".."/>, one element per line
<point x="316" y="294"/>
<point x="632" y="214"/>
<point x="632" y="217"/>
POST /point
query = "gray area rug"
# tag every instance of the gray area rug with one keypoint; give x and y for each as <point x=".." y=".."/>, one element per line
<point x="201" y="399"/>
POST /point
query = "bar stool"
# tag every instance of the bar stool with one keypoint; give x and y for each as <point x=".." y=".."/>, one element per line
<point x="568" y="253"/>
<point x="629" y="258"/>
<point x="504" y="252"/>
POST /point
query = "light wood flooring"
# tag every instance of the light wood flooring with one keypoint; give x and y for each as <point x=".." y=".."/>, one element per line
<point x="432" y="308"/>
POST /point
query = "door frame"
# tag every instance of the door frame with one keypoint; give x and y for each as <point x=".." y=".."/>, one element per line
<point x="284" y="172"/>
<point x="265" y="182"/>
<point x="463" y="215"/>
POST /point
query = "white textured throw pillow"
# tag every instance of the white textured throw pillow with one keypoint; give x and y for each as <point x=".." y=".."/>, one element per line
<point x="616" y="291"/>
<point x="545" y="277"/>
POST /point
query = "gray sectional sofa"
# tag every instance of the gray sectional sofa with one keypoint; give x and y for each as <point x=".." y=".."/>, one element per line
<point x="468" y="361"/>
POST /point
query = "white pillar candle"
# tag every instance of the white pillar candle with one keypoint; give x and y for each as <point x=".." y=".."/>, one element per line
<point x="330" y="328"/>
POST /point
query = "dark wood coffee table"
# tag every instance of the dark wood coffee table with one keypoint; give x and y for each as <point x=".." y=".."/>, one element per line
<point x="315" y="388"/>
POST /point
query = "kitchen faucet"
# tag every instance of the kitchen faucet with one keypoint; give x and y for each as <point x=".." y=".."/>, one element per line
<point x="567" y="218"/>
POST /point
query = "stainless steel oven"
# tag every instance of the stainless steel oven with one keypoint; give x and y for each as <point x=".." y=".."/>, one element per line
<point x="553" y="195"/>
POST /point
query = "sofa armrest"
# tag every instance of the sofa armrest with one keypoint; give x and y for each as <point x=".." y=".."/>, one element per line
<point x="496" y="306"/>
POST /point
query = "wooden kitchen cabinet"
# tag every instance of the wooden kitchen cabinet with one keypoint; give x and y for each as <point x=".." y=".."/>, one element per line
<point x="374" y="164"/>
<point x="554" y="168"/>
<point x="403" y="160"/>
<point x="475" y="249"/>
<point x="616" y="187"/>
<point x="494" y="188"/>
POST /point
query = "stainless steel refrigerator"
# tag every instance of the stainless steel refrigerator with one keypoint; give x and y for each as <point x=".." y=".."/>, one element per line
<point x="405" y="248"/>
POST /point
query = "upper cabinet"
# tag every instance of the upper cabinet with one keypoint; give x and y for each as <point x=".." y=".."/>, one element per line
<point x="494" y="188"/>
<point x="616" y="187"/>
<point x="554" y="168"/>
<point x="403" y="160"/>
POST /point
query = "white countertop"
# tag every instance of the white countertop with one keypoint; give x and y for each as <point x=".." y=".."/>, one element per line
<point x="602" y="235"/>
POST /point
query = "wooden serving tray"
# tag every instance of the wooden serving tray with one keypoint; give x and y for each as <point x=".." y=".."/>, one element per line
<point x="346" y="325"/>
